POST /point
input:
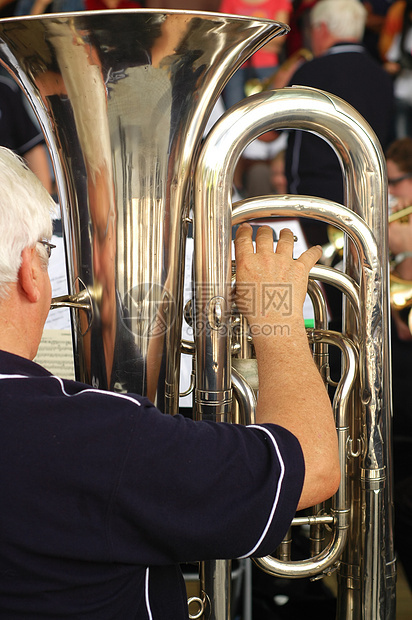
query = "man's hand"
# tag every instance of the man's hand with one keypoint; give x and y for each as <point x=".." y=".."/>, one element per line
<point x="264" y="278"/>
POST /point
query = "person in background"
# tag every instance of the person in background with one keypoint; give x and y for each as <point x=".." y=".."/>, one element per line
<point x="340" y="66"/>
<point x="103" y="495"/>
<point x="398" y="63"/>
<point x="101" y="5"/>
<point x="19" y="131"/>
<point x="277" y="174"/>
<point x="39" y="7"/>
<point x="264" y="62"/>
<point x="399" y="164"/>
<point x="391" y="27"/>
<point x="299" y="35"/>
<point x="375" y="19"/>
<point x="184" y="5"/>
<point x="343" y="67"/>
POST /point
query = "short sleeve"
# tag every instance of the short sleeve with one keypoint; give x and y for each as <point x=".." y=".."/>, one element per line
<point x="193" y="491"/>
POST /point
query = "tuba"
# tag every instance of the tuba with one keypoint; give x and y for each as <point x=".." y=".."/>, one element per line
<point x="123" y="99"/>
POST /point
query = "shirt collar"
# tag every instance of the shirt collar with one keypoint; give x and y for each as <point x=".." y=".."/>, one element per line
<point x="11" y="364"/>
<point x="344" y="47"/>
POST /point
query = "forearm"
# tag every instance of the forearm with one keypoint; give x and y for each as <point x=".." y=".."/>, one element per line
<point x="285" y="365"/>
<point x="292" y="394"/>
<point x="270" y="292"/>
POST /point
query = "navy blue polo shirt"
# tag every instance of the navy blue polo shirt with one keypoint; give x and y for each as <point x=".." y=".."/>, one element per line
<point x="103" y="496"/>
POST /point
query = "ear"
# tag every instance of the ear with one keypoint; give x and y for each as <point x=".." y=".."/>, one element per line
<point x="28" y="274"/>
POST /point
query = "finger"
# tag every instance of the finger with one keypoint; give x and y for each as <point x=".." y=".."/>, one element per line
<point x="311" y="256"/>
<point x="264" y="239"/>
<point x="286" y="242"/>
<point x="243" y="240"/>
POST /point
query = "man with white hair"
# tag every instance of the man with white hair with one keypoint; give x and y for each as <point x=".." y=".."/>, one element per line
<point x="341" y="66"/>
<point x="103" y="495"/>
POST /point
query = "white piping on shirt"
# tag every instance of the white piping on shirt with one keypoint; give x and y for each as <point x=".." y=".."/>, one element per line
<point x="146" y="594"/>
<point x="342" y="49"/>
<point x="60" y="381"/>
<point x="278" y="490"/>
<point x="265" y="430"/>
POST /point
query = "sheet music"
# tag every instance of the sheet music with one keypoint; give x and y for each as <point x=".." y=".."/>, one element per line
<point x="56" y="349"/>
<point x="60" y="317"/>
<point x="56" y="352"/>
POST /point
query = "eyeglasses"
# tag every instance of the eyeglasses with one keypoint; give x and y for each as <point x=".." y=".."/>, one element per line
<point x="49" y="246"/>
<point x="399" y="179"/>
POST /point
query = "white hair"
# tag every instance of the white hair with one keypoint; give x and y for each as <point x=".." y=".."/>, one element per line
<point x="26" y="210"/>
<point x="345" y="19"/>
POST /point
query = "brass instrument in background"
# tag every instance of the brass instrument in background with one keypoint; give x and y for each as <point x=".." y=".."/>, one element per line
<point x="333" y="250"/>
<point x="255" y="85"/>
<point x="402" y="215"/>
<point x="401" y="289"/>
<point x="123" y="99"/>
<point x="401" y="292"/>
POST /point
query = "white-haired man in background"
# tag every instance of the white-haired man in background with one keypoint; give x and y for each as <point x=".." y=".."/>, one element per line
<point x="341" y="66"/>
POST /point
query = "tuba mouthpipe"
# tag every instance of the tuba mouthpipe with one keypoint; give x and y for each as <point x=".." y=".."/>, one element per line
<point x="80" y="301"/>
